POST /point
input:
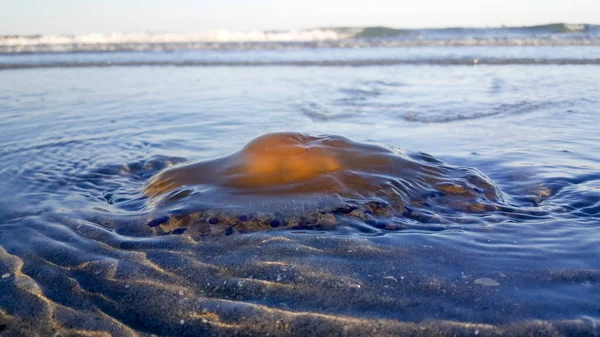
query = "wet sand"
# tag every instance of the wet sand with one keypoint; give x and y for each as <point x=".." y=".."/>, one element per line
<point x="281" y="285"/>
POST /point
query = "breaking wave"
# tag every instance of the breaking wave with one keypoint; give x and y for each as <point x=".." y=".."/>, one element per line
<point x="559" y="34"/>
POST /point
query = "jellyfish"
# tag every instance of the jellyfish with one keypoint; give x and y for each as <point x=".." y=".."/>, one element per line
<point x="297" y="181"/>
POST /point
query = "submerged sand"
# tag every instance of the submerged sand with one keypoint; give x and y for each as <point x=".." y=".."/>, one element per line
<point x="282" y="285"/>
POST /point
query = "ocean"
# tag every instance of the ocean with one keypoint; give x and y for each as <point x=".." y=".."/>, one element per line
<point x="414" y="182"/>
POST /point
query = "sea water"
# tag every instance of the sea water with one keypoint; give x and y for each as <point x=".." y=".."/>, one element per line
<point x="83" y="128"/>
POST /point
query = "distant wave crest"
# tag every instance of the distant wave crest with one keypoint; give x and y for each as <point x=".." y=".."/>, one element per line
<point x="211" y="36"/>
<point x="559" y="34"/>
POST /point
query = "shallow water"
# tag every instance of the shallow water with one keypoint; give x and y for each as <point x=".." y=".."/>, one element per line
<point x="78" y="144"/>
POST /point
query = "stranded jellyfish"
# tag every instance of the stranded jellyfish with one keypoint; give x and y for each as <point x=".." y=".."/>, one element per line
<point x="298" y="181"/>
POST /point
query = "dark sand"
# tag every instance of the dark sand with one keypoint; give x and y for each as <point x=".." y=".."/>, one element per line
<point x="281" y="285"/>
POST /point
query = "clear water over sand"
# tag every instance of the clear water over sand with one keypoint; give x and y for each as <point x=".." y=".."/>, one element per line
<point x="78" y="144"/>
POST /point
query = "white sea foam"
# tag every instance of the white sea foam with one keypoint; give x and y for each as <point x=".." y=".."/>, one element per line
<point x="220" y="35"/>
<point x="547" y="35"/>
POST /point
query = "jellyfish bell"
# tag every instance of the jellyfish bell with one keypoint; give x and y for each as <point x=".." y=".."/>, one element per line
<point x="295" y="175"/>
<point x="287" y="162"/>
<point x="280" y="159"/>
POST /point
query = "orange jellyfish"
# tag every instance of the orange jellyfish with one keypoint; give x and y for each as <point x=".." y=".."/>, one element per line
<point x="295" y="180"/>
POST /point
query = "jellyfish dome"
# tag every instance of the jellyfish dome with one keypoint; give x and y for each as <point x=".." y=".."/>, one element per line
<point x="298" y="181"/>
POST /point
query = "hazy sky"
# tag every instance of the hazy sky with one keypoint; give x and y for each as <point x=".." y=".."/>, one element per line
<point x="104" y="16"/>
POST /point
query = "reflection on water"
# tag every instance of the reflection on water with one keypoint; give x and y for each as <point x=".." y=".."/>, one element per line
<point x="493" y="233"/>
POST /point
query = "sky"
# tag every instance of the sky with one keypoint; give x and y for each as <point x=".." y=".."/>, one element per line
<point x="188" y="16"/>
